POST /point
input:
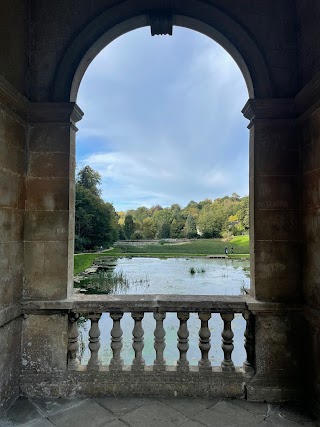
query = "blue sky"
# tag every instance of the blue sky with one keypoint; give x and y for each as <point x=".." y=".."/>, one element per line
<point x="163" y="120"/>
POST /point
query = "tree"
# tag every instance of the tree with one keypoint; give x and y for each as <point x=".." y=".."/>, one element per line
<point x="89" y="179"/>
<point x="149" y="228"/>
<point x="190" y="228"/>
<point x="164" y="230"/>
<point x="176" y="228"/>
<point x="96" y="222"/>
<point x="128" y="226"/>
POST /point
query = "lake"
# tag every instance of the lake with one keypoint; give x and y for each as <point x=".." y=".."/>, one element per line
<point x="172" y="276"/>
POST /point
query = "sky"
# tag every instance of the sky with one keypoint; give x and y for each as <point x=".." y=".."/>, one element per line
<point x="162" y="120"/>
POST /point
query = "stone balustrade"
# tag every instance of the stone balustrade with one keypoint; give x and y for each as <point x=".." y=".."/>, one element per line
<point x="178" y="366"/>
<point x="183" y="306"/>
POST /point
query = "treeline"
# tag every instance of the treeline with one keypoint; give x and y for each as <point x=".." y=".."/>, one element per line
<point x="221" y="217"/>
<point x="97" y="224"/>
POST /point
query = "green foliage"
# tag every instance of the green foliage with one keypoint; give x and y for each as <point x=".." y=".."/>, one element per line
<point x="190" y="228"/>
<point x="164" y="230"/>
<point x="208" y="217"/>
<point x="96" y="222"/>
<point x="128" y="226"/>
<point x="192" y="270"/>
<point x="89" y="179"/>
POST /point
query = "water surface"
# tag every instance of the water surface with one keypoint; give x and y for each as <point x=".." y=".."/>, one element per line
<point x="172" y="276"/>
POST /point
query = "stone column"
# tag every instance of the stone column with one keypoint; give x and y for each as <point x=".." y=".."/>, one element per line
<point x="49" y="206"/>
<point x="274" y="200"/>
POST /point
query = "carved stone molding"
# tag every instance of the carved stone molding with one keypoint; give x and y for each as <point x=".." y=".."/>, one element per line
<point x="270" y="108"/>
<point x="12" y="99"/>
<point x="308" y="99"/>
<point x="54" y="112"/>
<point x="161" y="23"/>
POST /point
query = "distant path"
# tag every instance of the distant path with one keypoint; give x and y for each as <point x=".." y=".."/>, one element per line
<point x="92" y="253"/>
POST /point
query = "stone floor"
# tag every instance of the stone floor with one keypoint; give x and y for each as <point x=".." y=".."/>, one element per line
<point x="143" y="412"/>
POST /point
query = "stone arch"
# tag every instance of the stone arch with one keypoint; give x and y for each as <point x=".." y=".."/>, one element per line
<point x="196" y="15"/>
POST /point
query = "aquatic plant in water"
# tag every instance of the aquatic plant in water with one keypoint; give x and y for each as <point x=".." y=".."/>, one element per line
<point x="104" y="282"/>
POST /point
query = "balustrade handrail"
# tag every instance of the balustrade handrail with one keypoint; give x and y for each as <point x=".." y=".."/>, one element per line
<point x="82" y="303"/>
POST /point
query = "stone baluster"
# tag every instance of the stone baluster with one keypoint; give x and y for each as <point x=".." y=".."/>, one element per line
<point x="204" y="341"/>
<point x="137" y="341"/>
<point x="73" y="342"/>
<point x="116" y="342"/>
<point x="227" y="342"/>
<point x="183" y="341"/>
<point x="159" y="342"/>
<point x="94" y="341"/>
<point x="248" y="365"/>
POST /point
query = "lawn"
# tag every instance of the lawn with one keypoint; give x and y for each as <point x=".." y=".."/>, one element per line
<point x="199" y="247"/>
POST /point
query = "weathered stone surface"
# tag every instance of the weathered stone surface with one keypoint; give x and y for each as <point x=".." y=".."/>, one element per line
<point x="225" y="414"/>
<point x="52" y="405"/>
<point x="22" y="412"/>
<point x="103" y="382"/>
<point x="189" y="407"/>
<point x="10" y="356"/>
<point x="121" y="405"/>
<point x="155" y="414"/>
<point x="43" y="279"/>
<point x="46" y="336"/>
<point x="87" y="413"/>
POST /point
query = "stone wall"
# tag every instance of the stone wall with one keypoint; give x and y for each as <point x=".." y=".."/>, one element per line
<point x="13" y="42"/>
<point x="308" y="14"/>
<point x="12" y="192"/>
<point x="50" y="41"/>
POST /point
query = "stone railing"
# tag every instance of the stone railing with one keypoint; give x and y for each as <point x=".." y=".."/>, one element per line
<point x="50" y="341"/>
<point x="182" y="305"/>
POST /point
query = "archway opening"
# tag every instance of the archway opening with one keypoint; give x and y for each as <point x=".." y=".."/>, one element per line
<point x="163" y="129"/>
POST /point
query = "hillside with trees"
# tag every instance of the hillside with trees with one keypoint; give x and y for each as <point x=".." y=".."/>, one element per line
<point x="222" y="217"/>
<point x="98" y="224"/>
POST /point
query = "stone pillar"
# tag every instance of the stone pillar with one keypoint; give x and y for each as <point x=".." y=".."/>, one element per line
<point x="274" y="200"/>
<point x="49" y="206"/>
<point x="279" y="353"/>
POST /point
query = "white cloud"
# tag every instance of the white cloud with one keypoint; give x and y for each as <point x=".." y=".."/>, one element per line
<point x="162" y="120"/>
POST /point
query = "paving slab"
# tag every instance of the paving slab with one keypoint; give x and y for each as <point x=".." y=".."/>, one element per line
<point x="189" y="406"/>
<point x="115" y="423"/>
<point x="154" y="414"/>
<point x="22" y="412"/>
<point x="294" y="412"/>
<point x="87" y="413"/>
<point x="192" y="423"/>
<point x="49" y="406"/>
<point x="41" y="423"/>
<point x="255" y="408"/>
<point x="227" y="415"/>
<point x="278" y="420"/>
<point x="122" y="405"/>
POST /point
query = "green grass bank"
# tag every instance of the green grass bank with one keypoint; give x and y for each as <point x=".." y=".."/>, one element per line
<point x="192" y="248"/>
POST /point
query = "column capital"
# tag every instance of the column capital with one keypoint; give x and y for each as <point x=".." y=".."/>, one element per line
<point x="46" y="112"/>
<point x="269" y="108"/>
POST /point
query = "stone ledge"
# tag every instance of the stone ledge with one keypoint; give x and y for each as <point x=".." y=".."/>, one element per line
<point x="164" y="384"/>
<point x="146" y="303"/>
<point x="154" y="303"/>
<point x="7" y="314"/>
<point x="12" y="98"/>
<point x="308" y="99"/>
<point x="276" y="389"/>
